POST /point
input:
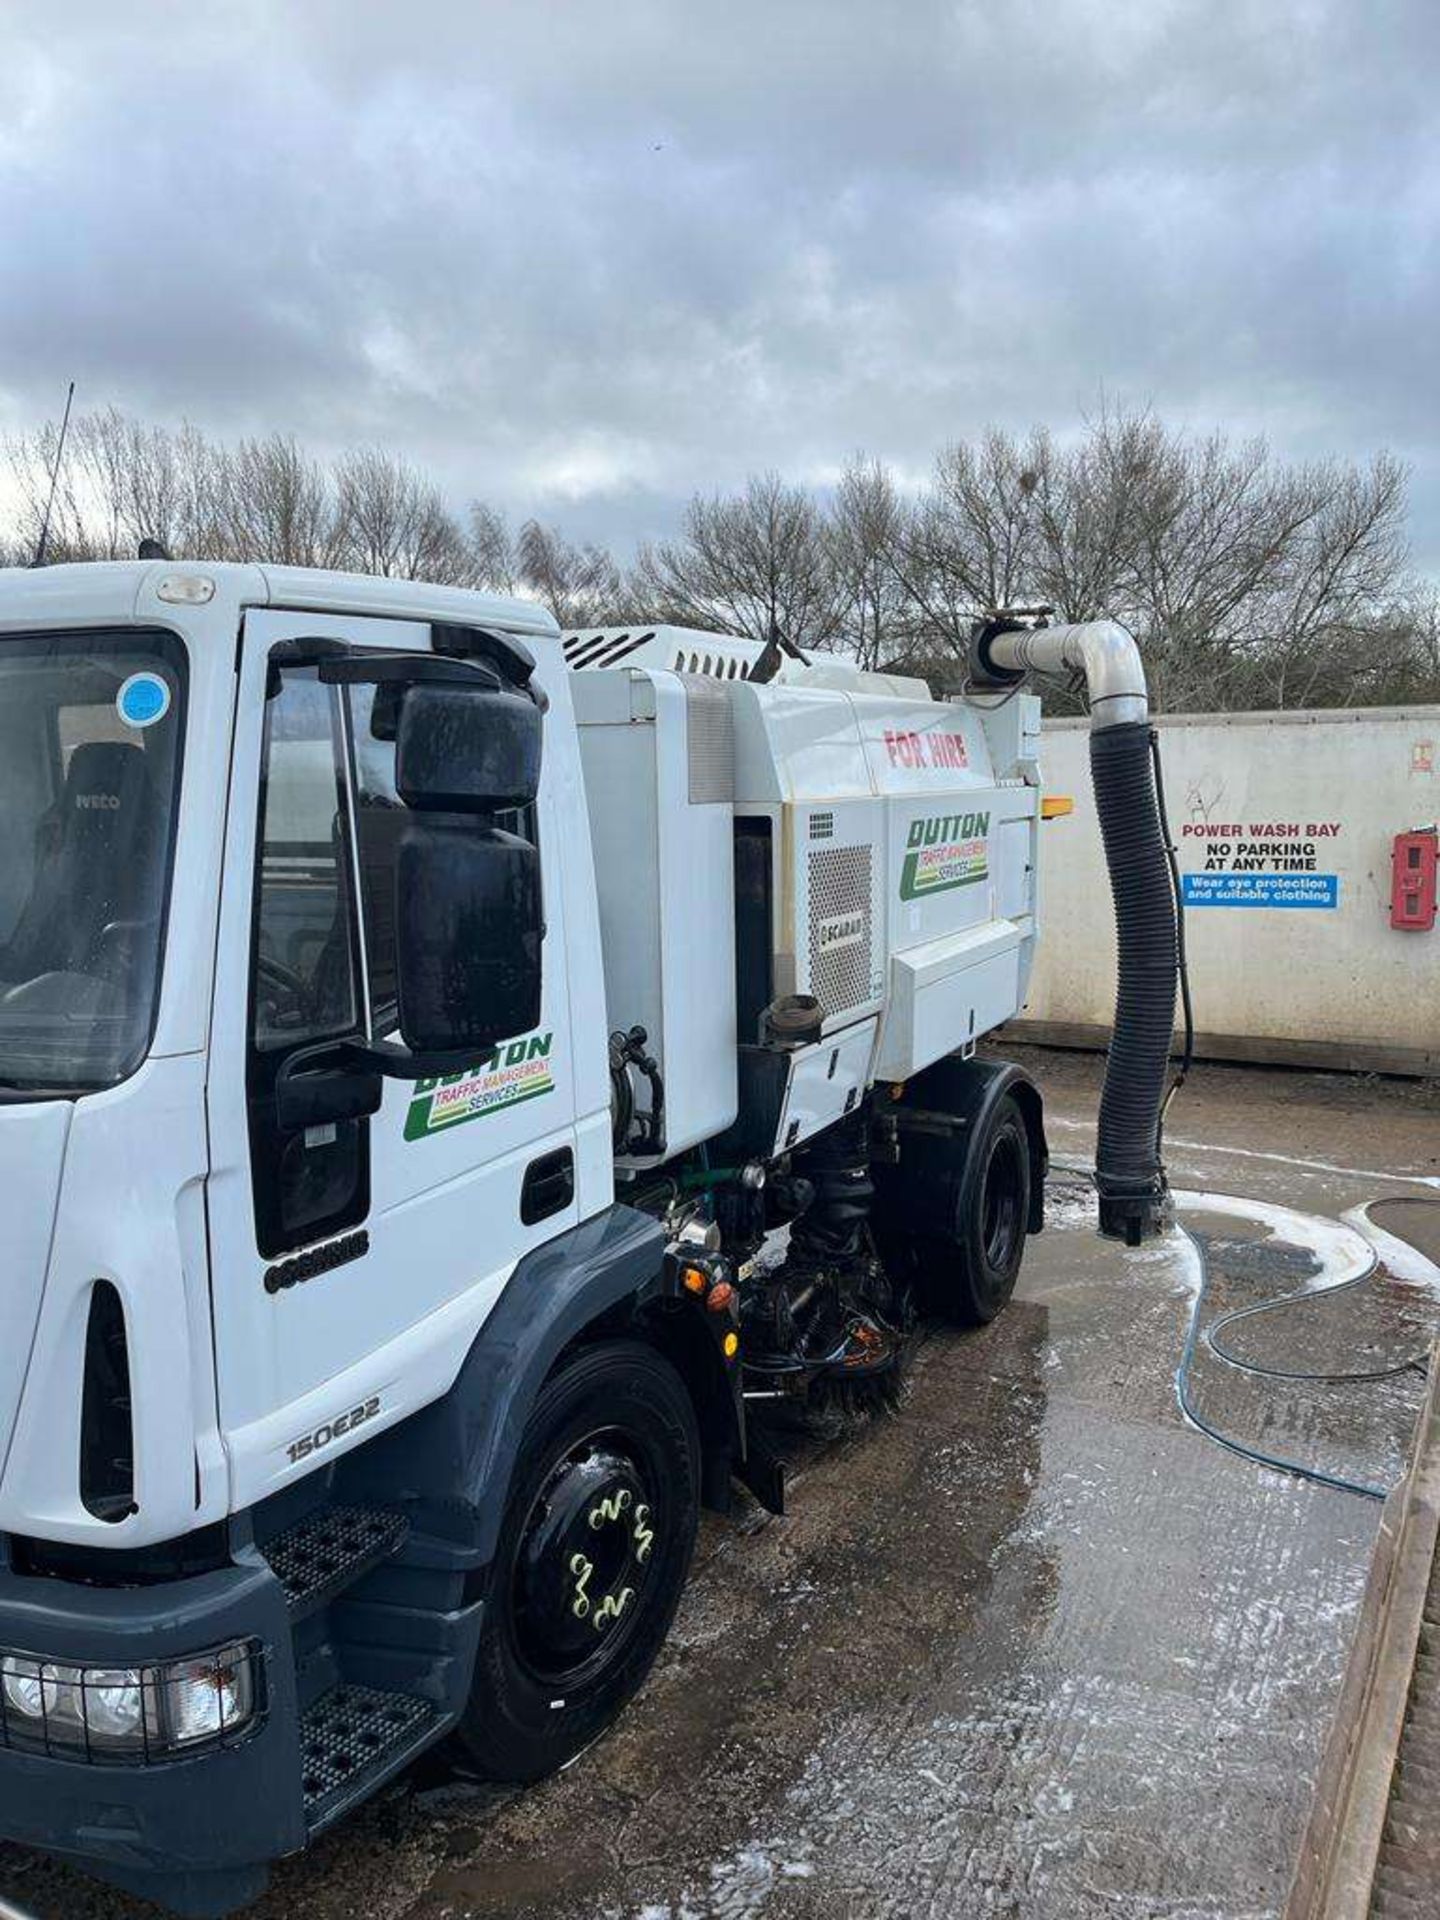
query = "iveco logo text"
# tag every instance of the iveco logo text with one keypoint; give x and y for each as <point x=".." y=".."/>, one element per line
<point x="840" y="930"/>
<point x="335" y="1429"/>
<point x="110" y="802"/>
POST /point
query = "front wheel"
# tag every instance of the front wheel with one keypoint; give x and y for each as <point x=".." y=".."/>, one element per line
<point x="596" y="1543"/>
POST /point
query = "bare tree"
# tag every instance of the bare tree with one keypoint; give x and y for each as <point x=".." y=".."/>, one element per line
<point x="202" y="471"/>
<point x="395" y="522"/>
<point x="103" y="448"/>
<point x="1250" y="581"/>
<point x="869" y="525"/>
<point x="493" y="559"/>
<point x="1345" y="568"/>
<point x="748" y="563"/>
<point x="1247" y="580"/>
<point x="122" y="482"/>
<point x="275" y="503"/>
<point x="72" y="534"/>
<point x="579" y="584"/>
<point x="970" y="544"/>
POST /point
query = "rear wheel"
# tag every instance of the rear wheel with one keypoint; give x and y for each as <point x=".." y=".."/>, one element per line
<point x="967" y="1275"/>
<point x="597" y="1538"/>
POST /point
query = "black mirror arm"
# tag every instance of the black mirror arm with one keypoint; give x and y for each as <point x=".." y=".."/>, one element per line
<point x="401" y="1063"/>
<point x="354" y="1055"/>
<point x="508" y="654"/>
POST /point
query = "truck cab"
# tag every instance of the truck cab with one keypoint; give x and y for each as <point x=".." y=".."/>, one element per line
<point x="414" y="1040"/>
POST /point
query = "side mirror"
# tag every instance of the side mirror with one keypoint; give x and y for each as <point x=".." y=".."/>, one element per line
<point x="464" y="749"/>
<point x="468" y="932"/>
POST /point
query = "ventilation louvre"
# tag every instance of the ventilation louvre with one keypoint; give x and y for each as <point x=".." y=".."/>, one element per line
<point x="601" y="649"/>
<point x="712" y="656"/>
<point x="107" y="1441"/>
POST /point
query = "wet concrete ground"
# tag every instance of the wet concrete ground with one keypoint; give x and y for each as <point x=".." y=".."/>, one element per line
<point x="1034" y="1646"/>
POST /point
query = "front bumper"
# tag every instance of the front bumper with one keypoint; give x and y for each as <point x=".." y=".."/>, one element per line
<point x="194" y="1832"/>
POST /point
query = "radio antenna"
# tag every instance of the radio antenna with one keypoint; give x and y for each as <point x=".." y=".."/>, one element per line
<point x="42" y="542"/>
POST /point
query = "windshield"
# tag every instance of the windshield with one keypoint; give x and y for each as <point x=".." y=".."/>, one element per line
<point x="90" y="730"/>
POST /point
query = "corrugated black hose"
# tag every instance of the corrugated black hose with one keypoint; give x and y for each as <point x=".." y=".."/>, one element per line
<point x="1129" y="1174"/>
<point x="1187" y="1058"/>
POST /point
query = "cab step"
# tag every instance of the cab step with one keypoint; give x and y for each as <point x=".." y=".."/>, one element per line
<point x="351" y="1740"/>
<point x="328" y="1551"/>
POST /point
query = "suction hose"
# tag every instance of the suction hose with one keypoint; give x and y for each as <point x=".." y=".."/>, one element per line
<point x="1129" y="1173"/>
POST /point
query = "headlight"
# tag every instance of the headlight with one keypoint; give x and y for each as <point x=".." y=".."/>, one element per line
<point x="135" y="1714"/>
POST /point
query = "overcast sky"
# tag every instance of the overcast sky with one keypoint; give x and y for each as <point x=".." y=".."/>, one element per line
<point x="587" y="258"/>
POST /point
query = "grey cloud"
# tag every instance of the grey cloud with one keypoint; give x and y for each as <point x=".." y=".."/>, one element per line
<point x="590" y="257"/>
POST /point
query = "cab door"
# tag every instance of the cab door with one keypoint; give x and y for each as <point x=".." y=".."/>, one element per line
<point x="352" y="1261"/>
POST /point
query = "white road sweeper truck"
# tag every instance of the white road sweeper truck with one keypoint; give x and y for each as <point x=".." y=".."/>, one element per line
<point x="455" y="1079"/>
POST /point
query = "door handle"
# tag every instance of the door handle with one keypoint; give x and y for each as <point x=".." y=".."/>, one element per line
<point x="548" y="1187"/>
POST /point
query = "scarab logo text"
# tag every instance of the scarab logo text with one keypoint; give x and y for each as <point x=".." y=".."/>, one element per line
<point x="840" y="930"/>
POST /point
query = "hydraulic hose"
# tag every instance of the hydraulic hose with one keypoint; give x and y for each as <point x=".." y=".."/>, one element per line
<point x="1184" y="1383"/>
<point x="1129" y="1173"/>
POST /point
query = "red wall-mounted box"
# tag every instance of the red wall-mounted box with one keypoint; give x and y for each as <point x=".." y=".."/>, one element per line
<point x="1413" y="860"/>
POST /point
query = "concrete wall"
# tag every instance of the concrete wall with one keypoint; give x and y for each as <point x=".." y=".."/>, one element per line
<point x="1284" y="823"/>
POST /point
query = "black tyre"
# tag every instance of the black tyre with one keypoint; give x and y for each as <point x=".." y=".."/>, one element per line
<point x="596" y="1543"/>
<point x="967" y="1277"/>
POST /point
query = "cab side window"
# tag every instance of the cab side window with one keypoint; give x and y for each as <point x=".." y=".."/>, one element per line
<point x="305" y="961"/>
<point x="380" y="817"/>
<point x="306" y="976"/>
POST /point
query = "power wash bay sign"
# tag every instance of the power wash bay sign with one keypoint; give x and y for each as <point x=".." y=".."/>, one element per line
<point x="1260" y="863"/>
<point x="517" y="1070"/>
<point x="944" y="851"/>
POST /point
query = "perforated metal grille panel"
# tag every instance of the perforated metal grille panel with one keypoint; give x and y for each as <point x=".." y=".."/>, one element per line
<point x="350" y="1733"/>
<point x="841" y="930"/>
<point x="326" y="1551"/>
<point x="709" y="739"/>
